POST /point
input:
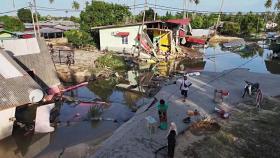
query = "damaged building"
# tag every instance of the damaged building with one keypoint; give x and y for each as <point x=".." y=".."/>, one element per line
<point x="150" y="38"/>
<point x="27" y="81"/>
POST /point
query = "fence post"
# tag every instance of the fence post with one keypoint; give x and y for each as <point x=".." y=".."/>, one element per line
<point x="59" y="57"/>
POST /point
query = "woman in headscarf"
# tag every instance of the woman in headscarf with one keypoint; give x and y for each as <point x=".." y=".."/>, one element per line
<point x="162" y="112"/>
<point x="171" y="139"/>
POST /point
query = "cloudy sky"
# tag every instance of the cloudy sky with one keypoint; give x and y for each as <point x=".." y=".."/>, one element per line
<point x="205" y="5"/>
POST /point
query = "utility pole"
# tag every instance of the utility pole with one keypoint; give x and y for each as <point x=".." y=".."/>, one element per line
<point x="155" y="11"/>
<point x="134" y="7"/>
<point x="188" y="8"/>
<point x="144" y="14"/>
<point x="14" y="4"/>
<point x="32" y="16"/>
<point x="36" y="15"/>
<point x="219" y="17"/>
<point x="184" y="9"/>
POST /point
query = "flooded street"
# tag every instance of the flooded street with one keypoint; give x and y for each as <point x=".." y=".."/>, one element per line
<point x="75" y="128"/>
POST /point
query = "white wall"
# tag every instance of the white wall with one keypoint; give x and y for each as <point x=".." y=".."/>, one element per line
<point x="6" y="126"/>
<point x="42" y="122"/>
<point x="114" y="43"/>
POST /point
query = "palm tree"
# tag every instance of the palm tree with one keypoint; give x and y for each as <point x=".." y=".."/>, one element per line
<point x="191" y="1"/>
<point x="277" y="5"/>
<point x="268" y="4"/>
<point x="75" y="5"/>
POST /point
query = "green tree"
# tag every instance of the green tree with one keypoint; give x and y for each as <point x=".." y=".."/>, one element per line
<point x="75" y="5"/>
<point x="74" y="19"/>
<point x="78" y="38"/>
<point x="24" y="15"/>
<point x="230" y="28"/>
<point x="168" y="15"/>
<point x="11" y="23"/>
<point x="268" y="4"/>
<point x="209" y="20"/>
<point x="197" y="22"/>
<point x="101" y="13"/>
<point x="277" y="5"/>
<point x="149" y="15"/>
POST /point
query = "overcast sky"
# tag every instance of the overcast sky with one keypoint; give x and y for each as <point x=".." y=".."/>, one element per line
<point x="205" y="5"/>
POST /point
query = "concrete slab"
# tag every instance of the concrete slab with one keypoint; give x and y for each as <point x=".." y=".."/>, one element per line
<point x="132" y="139"/>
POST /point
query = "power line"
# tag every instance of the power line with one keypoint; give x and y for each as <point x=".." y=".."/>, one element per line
<point x="12" y="11"/>
<point x="196" y="11"/>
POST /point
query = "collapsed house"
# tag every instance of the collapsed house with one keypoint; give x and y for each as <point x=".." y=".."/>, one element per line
<point x="146" y="40"/>
<point x="27" y="80"/>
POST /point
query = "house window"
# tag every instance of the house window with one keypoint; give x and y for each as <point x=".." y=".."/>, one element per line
<point x="125" y="40"/>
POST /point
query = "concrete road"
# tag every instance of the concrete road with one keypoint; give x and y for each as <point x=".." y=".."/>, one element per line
<point x="132" y="139"/>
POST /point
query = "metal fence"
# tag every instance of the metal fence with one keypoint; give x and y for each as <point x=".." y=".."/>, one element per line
<point x="60" y="56"/>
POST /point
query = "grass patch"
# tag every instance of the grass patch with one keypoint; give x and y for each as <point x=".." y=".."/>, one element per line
<point x="95" y="111"/>
<point x="111" y="61"/>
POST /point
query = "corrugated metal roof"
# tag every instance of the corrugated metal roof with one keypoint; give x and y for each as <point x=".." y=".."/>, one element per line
<point x="64" y="28"/>
<point x="15" y="91"/>
<point x="124" y="25"/>
<point x="42" y="66"/>
<point x="49" y="30"/>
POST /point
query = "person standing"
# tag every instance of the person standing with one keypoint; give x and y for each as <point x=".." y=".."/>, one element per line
<point x="184" y="87"/>
<point x="171" y="138"/>
<point x="162" y="112"/>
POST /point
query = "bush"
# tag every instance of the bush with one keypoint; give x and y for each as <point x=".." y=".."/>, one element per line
<point x="11" y="23"/>
<point x="112" y="61"/>
<point x="197" y="22"/>
<point x="78" y="38"/>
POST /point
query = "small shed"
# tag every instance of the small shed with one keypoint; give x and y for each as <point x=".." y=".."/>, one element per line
<point x="48" y="32"/>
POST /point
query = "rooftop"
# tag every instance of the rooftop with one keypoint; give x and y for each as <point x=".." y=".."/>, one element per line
<point x="173" y="21"/>
<point x="124" y="25"/>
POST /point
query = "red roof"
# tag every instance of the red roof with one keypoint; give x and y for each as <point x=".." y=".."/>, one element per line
<point x="179" y="21"/>
<point x="122" y="34"/>
<point x="195" y="40"/>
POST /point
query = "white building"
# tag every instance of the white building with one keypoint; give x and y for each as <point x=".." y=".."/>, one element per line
<point x="119" y="38"/>
<point x="25" y="80"/>
<point x="126" y="37"/>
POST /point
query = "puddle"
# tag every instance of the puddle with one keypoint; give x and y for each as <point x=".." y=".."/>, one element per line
<point x="79" y="130"/>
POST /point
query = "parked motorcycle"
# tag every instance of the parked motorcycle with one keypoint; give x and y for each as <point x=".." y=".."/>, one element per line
<point x="250" y="88"/>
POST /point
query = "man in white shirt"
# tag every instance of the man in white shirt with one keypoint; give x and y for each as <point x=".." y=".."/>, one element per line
<point x="184" y="86"/>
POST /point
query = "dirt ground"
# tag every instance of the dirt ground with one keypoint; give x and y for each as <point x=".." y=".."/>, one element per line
<point x="217" y="39"/>
<point x="248" y="133"/>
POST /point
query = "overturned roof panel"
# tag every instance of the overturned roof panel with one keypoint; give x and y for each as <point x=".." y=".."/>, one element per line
<point x="7" y="69"/>
<point x="41" y="64"/>
<point x="15" y="91"/>
<point x="21" y="46"/>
